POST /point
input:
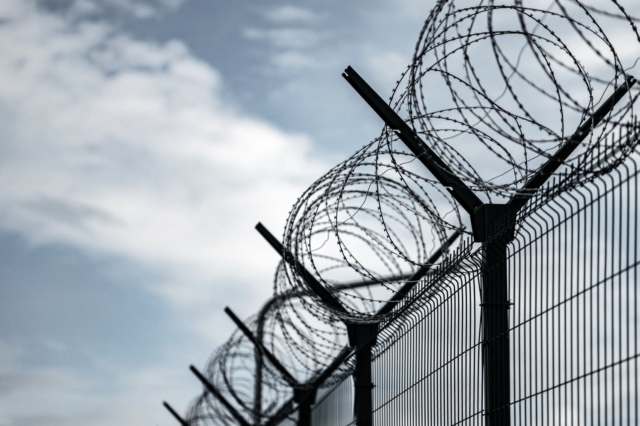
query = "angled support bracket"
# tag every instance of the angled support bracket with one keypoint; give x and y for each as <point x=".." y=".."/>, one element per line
<point x="180" y="420"/>
<point x="438" y="168"/>
<point x="493" y="224"/>
<point x="311" y="281"/>
<point x="362" y="337"/>
<point x="274" y="361"/>
<point x="418" y="275"/>
<point x="212" y="389"/>
<point x="551" y="165"/>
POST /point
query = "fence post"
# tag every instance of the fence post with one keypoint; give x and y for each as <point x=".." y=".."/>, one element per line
<point x="494" y="227"/>
<point x="495" y="332"/>
<point x="362" y="337"/>
<point x="305" y="399"/>
<point x="489" y="223"/>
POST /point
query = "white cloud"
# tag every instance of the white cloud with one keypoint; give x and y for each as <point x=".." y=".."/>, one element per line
<point x="139" y="9"/>
<point x="289" y="37"/>
<point x="290" y="14"/>
<point x="143" y="8"/>
<point x="289" y="48"/>
<point x="128" y="148"/>
<point x="108" y="395"/>
<point x="285" y="38"/>
<point x="125" y="147"/>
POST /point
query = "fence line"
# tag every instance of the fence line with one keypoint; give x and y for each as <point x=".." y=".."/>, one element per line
<point x="383" y="315"/>
<point x="573" y="270"/>
<point x="573" y="338"/>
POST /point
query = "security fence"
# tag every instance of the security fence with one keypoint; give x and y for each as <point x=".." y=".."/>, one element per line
<point x="573" y="323"/>
<point x="476" y="263"/>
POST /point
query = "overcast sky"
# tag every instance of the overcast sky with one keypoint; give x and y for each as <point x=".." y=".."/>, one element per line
<point x="140" y="142"/>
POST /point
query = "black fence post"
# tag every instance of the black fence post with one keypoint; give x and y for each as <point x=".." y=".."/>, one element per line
<point x="495" y="332"/>
<point x="494" y="227"/>
<point x="304" y="414"/>
<point x="492" y="224"/>
<point x="305" y="399"/>
<point x="362" y="337"/>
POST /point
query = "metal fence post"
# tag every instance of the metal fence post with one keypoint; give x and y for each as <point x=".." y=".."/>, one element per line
<point x="495" y="332"/>
<point x="362" y="337"/>
<point x="495" y="229"/>
<point x="493" y="225"/>
<point x="305" y="399"/>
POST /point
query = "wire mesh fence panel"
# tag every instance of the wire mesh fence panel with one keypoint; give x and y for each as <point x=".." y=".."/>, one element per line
<point x="334" y="406"/>
<point x="573" y="326"/>
<point x="573" y="338"/>
<point x="573" y="272"/>
<point x="429" y="372"/>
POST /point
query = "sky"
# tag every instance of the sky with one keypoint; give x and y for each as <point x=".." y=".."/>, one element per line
<point x="141" y="141"/>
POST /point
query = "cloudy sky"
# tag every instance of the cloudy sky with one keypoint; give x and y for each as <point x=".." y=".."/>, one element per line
<point x="140" y="142"/>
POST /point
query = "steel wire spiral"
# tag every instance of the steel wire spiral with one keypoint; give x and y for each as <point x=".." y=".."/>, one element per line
<point x="511" y="81"/>
<point x="494" y="88"/>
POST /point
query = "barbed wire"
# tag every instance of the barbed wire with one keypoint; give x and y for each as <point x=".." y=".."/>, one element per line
<point x="371" y="217"/>
<point x="231" y="370"/>
<point x="512" y="83"/>
<point x="494" y="88"/>
<point x="310" y="336"/>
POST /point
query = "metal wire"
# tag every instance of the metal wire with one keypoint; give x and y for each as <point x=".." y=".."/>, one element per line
<point x="495" y="88"/>
<point x="574" y="324"/>
<point x="511" y="80"/>
<point x="368" y="218"/>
